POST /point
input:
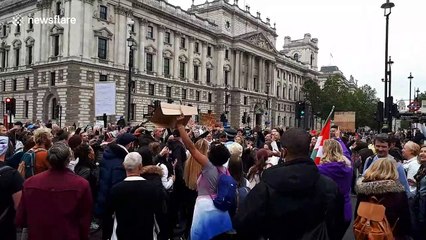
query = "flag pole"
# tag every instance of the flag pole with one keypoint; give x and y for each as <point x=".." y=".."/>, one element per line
<point x="329" y="115"/>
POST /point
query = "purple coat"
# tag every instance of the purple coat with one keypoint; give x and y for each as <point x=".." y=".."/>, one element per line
<point x="342" y="176"/>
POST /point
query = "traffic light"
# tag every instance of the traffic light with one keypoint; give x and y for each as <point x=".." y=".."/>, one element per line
<point x="395" y="111"/>
<point x="379" y="112"/>
<point x="11" y="105"/>
<point x="300" y="110"/>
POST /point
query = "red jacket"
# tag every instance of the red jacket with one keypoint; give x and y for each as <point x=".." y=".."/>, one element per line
<point x="56" y="205"/>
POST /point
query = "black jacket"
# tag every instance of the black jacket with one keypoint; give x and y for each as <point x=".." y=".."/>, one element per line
<point x="290" y="200"/>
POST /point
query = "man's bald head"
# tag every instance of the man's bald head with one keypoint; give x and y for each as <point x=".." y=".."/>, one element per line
<point x="296" y="142"/>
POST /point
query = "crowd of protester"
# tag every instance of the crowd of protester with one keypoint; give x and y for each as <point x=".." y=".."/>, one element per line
<point x="138" y="183"/>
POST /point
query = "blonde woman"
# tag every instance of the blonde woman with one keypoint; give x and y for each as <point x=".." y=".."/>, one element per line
<point x="381" y="181"/>
<point x="193" y="168"/>
<point x="336" y="166"/>
<point x="190" y="175"/>
<point x="411" y="165"/>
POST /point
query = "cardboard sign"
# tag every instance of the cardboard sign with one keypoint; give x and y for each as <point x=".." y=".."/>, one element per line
<point x="165" y="115"/>
<point x="345" y="121"/>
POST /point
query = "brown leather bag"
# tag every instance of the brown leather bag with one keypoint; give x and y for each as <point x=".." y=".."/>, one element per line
<point x="371" y="222"/>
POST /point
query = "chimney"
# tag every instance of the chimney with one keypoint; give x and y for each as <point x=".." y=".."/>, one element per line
<point x="287" y="40"/>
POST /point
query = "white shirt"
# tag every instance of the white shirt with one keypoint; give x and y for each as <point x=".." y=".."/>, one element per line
<point x="167" y="182"/>
<point x="411" y="166"/>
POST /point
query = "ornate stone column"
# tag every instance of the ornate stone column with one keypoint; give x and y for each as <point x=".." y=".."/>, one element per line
<point x="160" y="46"/>
<point x="191" y="58"/>
<point x="261" y="81"/>
<point x="220" y="60"/>
<point x="203" y="78"/>
<point x="176" y="56"/>
<point x="250" y="65"/>
<point x="237" y="69"/>
<point x="141" y="49"/>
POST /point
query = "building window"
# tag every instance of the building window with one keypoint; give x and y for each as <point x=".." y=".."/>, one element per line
<point x="58" y="8"/>
<point x="210" y="97"/>
<point x="255" y="84"/>
<point x="226" y="54"/>
<point x="150" y="33"/>
<point x="278" y="73"/>
<point x="166" y="67"/>
<point x="18" y="28"/>
<point x="149" y="64"/>
<point x="284" y="92"/>
<point x="196" y="73"/>
<point x="132" y="111"/>
<point x="209" y="51"/>
<point x="182" y="42"/>
<point x="167" y="37"/>
<point x="52" y="78"/>
<point x="26" y="108"/>
<point x="4" y="30"/>
<point x="245" y="100"/>
<point x="103" y="78"/>
<point x="197" y="96"/>
<point x="17" y="53"/>
<point x="182" y="70"/>
<point x="56" y="45"/>
<point x="183" y="93"/>
<point x="102" y="48"/>
<point x="151" y="89"/>
<point x="14" y="84"/>
<point x="53" y="108"/>
<point x="296" y="56"/>
<point x="4" y="85"/>
<point x="169" y="92"/>
<point x="27" y="83"/>
<point x="3" y="59"/>
<point x="30" y="55"/>
<point x="208" y="80"/>
<point x="226" y="77"/>
<point x="197" y="47"/>
<point x="103" y="12"/>
<point x="30" y="24"/>
<point x="278" y="91"/>
<point x="289" y="94"/>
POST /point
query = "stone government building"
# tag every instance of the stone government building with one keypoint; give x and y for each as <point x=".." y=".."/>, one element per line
<point x="216" y="56"/>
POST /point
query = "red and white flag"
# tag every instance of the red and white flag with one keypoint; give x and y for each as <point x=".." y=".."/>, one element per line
<point x="325" y="134"/>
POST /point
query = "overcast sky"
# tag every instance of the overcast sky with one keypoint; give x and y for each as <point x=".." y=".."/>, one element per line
<point x="353" y="31"/>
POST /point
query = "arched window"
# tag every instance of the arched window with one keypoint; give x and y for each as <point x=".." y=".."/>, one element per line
<point x="296" y="56"/>
<point x="54" y="102"/>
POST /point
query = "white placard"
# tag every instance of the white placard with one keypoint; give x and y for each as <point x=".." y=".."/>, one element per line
<point x="105" y="98"/>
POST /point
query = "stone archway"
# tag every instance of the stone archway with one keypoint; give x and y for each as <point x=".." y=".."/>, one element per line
<point x="49" y="106"/>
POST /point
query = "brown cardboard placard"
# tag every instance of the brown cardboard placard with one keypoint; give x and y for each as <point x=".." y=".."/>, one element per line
<point x="165" y="115"/>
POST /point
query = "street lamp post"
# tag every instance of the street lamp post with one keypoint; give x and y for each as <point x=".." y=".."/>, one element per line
<point x="131" y="44"/>
<point x="390" y="98"/>
<point x="387" y="7"/>
<point x="417" y="95"/>
<point x="409" y="96"/>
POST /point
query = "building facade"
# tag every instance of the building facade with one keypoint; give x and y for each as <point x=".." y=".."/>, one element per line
<point x="216" y="56"/>
<point x="333" y="71"/>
